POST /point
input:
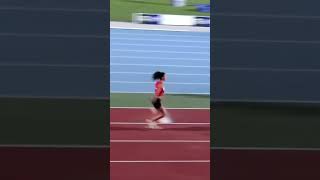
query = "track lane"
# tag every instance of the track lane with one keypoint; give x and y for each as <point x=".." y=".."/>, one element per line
<point x="160" y="171"/>
<point x="159" y="151"/>
<point x="173" y="133"/>
<point x="133" y="115"/>
<point x="148" y="152"/>
<point x="140" y="114"/>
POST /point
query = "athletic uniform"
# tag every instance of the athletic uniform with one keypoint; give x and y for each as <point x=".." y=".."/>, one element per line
<point x="159" y="91"/>
<point x="156" y="101"/>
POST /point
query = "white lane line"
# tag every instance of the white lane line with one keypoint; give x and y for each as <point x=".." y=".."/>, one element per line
<point x="159" y="58"/>
<point x="158" y="65"/>
<point x="115" y="107"/>
<point x="162" y="35"/>
<point x="156" y="28"/>
<point x="168" y="92"/>
<point x="153" y="51"/>
<point x="148" y="73"/>
<point x="137" y="123"/>
<point x="130" y="82"/>
<point x="160" y="40"/>
<point x="158" y="45"/>
<point x="160" y="141"/>
<point x="164" y="161"/>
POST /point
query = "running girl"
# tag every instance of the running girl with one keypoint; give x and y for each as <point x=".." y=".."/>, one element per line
<point x="159" y="77"/>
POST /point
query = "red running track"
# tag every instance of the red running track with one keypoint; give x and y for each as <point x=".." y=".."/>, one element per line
<point x="130" y="152"/>
<point x="173" y="132"/>
<point x="179" y="115"/>
<point x="160" y="171"/>
<point x="160" y="151"/>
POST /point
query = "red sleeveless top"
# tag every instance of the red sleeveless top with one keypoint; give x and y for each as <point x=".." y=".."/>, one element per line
<point x="159" y="91"/>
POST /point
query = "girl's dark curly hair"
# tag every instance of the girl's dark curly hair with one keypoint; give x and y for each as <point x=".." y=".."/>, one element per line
<point x="158" y="75"/>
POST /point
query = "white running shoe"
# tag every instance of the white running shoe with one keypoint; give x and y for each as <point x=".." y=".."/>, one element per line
<point x="157" y="127"/>
<point x="152" y="124"/>
<point x="165" y="120"/>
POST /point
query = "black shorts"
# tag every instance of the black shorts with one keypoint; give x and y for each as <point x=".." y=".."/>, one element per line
<point x="157" y="103"/>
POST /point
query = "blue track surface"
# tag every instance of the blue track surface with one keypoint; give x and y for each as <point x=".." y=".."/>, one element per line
<point x="136" y="54"/>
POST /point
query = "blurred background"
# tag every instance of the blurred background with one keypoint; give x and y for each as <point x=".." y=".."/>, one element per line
<point x="145" y="38"/>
